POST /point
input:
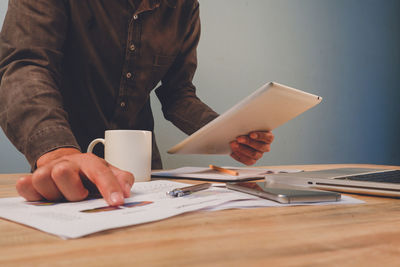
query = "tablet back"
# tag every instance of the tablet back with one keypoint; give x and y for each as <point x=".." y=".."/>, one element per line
<point x="267" y="108"/>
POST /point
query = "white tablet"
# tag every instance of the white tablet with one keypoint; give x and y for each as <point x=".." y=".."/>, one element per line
<point x="267" y="108"/>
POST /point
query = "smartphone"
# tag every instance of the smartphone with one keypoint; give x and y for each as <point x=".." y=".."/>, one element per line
<point x="284" y="193"/>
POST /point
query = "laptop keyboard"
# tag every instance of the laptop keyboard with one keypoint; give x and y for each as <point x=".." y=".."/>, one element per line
<point x="380" y="177"/>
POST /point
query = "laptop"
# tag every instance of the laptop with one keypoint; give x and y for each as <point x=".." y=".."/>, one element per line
<point x="380" y="182"/>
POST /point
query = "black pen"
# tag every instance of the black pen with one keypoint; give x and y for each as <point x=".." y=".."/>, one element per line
<point x="179" y="192"/>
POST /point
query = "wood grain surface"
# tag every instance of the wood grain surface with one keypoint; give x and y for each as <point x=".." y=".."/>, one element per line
<point x="333" y="235"/>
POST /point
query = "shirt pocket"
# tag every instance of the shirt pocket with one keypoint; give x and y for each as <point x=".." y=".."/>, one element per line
<point x="160" y="66"/>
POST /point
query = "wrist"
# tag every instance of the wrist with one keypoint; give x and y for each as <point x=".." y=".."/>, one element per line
<point x="55" y="154"/>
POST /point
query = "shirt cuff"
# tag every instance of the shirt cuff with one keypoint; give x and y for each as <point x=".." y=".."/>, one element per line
<point x="48" y="139"/>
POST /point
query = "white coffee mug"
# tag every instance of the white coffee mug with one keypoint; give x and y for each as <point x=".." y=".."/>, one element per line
<point x="128" y="150"/>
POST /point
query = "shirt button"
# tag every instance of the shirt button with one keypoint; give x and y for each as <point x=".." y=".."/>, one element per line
<point x="129" y="75"/>
<point x="122" y="104"/>
<point x="135" y="17"/>
<point x="132" y="47"/>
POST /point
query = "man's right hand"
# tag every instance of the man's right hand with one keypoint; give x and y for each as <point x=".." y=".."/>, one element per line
<point x="59" y="175"/>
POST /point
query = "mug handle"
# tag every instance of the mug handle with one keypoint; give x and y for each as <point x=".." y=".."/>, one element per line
<point x="95" y="142"/>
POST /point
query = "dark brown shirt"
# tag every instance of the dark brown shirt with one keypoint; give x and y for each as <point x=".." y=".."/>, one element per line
<point x="71" y="69"/>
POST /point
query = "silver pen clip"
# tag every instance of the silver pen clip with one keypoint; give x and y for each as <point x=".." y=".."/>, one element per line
<point x="179" y="192"/>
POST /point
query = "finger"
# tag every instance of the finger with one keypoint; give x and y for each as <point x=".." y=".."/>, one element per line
<point x="247" y="150"/>
<point x="257" y="145"/>
<point x="26" y="190"/>
<point x="125" y="179"/>
<point x="98" y="171"/>
<point x="65" y="175"/>
<point x="243" y="158"/>
<point x="234" y="145"/>
<point x="266" y="137"/>
<point x="43" y="183"/>
<point x="244" y="153"/>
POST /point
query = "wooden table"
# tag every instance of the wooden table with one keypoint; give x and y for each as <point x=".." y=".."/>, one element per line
<point x="333" y="235"/>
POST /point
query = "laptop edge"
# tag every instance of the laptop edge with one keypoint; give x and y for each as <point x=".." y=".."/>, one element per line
<point x="330" y="180"/>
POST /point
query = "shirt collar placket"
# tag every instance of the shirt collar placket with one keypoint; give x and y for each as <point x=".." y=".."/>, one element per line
<point x="128" y="74"/>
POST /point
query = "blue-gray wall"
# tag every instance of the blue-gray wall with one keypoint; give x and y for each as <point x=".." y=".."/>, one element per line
<point x="347" y="51"/>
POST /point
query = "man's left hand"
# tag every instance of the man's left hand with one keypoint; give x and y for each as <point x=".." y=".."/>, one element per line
<point x="250" y="148"/>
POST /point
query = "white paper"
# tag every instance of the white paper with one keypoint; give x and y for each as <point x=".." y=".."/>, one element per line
<point x="149" y="202"/>
<point x="210" y="174"/>
<point x="257" y="202"/>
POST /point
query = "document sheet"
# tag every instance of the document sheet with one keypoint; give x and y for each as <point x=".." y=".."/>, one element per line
<point x="148" y="202"/>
